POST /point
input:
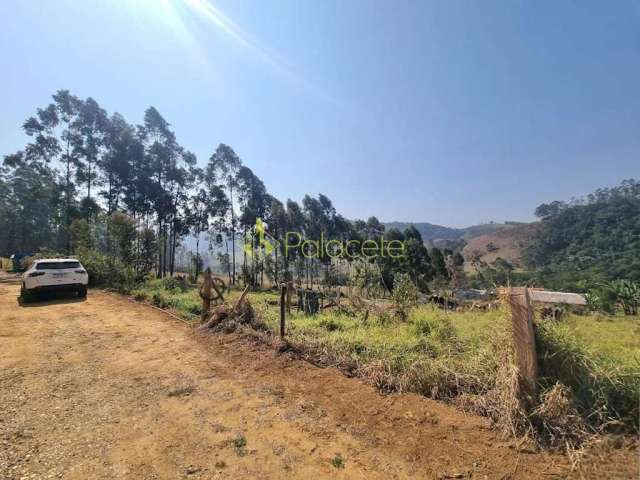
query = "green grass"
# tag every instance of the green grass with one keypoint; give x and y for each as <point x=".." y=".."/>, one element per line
<point x="445" y="355"/>
<point x="171" y="294"/>
<point x="615" y="336"/>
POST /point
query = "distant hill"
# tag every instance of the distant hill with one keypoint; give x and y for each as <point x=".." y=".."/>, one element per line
<point x="509" y="244"/>
<point x="596" y="238"/>
<point x="432" y="233"/>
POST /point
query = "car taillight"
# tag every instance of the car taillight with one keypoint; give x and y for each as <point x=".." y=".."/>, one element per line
<point x="81" y="271"/>
<point x="36" y="274"/>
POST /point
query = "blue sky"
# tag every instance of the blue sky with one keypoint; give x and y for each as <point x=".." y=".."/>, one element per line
<point x="449" y="112"/>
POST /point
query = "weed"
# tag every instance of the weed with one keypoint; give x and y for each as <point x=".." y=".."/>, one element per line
<point x="337" y="461"/>
<point x="331" y="324"/>
<point x="239" y="442"/>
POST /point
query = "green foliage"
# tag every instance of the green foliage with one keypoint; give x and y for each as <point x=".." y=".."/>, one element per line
<point x="148" y="249"/>
<point x="122" y="234"/>
<point x="603" y="389"/>
<point x="405" y="294"/>
<point x="608" y="296"/>
<point x="174" y="284"/>
<point x="196" y="264"/>
<point x="108" y="271"/>
<point x="81" y="237"/>
<point x="29" y="207"/>
<point x="438" y="327"/>
<point x="365" y="277"/>
<point x="337" y="461"/>
<point x="171" y="292"/>
<point x="240" y="441"/>
<point x="331" y="324"/>
<point x="447" y="356"/>
<point x="627" y="294"/>
<point x="596" y="239"/>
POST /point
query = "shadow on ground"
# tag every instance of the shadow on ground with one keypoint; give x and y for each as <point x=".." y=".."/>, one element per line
<point x="46" y="299"/>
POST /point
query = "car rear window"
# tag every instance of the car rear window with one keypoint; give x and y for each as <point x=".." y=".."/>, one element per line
<point x="56" y="265"/>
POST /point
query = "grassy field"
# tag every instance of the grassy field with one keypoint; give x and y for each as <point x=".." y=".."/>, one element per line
<point x="457" y="356"/>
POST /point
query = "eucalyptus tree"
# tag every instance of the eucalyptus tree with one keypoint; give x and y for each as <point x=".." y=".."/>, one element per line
<point x="223" y="167"/>
<point x="295" y="227"/>
<point x="123" y="153"/>
<point x="30" y="206"/>
<point x="417" y="262"/>
<point x="252" y="197"/>
<point x="203" y="209"/>
<point x="54" y="130"/>
<point x="438" y="263"/>
<point x="92" y="128"/>
<point x="164" y="157"/>
<point x="185" y="177"/>
<point x="276" y="219"/>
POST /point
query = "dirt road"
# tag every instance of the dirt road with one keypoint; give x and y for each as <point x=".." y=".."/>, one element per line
<point x="105" y="388"/>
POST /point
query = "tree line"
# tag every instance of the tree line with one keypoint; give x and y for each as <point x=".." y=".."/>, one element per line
<point x="90" y="181"/>
<point x="588" y="241"/>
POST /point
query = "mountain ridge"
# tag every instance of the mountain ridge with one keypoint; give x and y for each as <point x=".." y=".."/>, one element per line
<point x="432" y="232"/>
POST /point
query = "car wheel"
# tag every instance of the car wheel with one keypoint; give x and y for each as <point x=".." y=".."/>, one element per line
<point x="26" y="295"/>
<point x="82" y="292"/>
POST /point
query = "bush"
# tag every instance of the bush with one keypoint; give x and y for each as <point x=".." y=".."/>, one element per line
<point x="438" y="327"/>
<point x="405" y="294"/>
<point x="331" y="324"/>
<point x="176" y="284"/>
<point x="107" y="271"/>
<point x="159" y="300"/>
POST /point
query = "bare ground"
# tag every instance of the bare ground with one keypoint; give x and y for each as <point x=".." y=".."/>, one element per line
<point x="105" y="388"/>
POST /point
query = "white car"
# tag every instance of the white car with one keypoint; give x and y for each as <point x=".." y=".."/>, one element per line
<point x="55" y="274"/>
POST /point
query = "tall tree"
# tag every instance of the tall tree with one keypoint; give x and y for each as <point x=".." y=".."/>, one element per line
<point x="252" y="196"/>
<point x="163" y="155"/>
<point x="55" y="131"/>
<point x="223" y="167"/>
<point x="124" y="152"/>
<point x="92" y="127"/>
<point x="203" y="208"/>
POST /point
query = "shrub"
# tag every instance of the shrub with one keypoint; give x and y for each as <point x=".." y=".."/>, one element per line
<point x="159" y="300"/>
<point x="438" y="327"/>
<point x="337" y="461"/>
<point x="405" y="294"/>
<point x="107" y="271"/>
<point x="177" y="284"/>
<point x="331" y="324"/>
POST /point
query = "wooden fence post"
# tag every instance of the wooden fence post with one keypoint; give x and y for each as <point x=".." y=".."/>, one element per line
<point x="524" y="339"/>
<point x="205" y="294"/>
<point x="289" y="294"/>
<point x="283" y="294"/>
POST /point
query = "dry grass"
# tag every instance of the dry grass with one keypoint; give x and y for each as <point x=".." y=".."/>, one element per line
<point x="463" y="358"/>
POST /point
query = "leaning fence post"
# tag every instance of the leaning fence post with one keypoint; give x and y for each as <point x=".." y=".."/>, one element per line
<point x="524" y="339"/>
<point x="283" y="293"/>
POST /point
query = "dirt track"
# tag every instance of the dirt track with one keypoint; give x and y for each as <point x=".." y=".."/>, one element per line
<point x="105" y="388"/>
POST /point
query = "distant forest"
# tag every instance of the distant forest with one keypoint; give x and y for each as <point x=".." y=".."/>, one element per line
<point x="588" y="240"/>
<point x="125" y="197"/>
